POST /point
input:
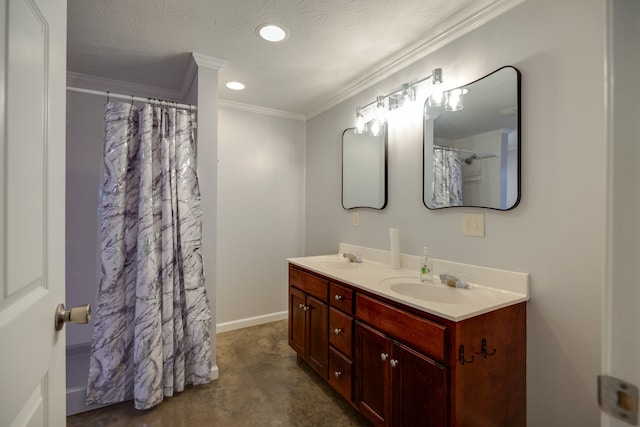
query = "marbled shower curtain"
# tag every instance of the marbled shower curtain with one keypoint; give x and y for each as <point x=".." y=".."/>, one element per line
<point x="152" y="321"/>
<point x="447" y="178"/>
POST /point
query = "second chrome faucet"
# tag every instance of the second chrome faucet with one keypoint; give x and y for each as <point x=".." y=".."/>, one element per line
<point x="352" y="257"/>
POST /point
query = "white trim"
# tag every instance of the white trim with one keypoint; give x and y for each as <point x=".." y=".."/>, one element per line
<point x="251" y="321"/>
<point x="410" y="57"/>
<point x="260" y="110"/>
<point x="208" y="61"/>
<point x="215" y="373"/>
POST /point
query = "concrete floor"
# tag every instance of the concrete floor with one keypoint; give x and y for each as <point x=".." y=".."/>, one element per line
<point x="261" y="384"/>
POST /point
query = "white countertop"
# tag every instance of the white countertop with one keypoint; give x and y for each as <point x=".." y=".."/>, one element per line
<point x="499" y="288"/>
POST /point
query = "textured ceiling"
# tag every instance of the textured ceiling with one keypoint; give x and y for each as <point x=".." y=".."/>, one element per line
<point x="333" y="44"/>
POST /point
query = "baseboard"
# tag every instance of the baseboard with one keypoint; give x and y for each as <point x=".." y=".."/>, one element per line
<point x="76" y="397"/>
<point x="215" y="372"/>
<point x="251" y="321"/>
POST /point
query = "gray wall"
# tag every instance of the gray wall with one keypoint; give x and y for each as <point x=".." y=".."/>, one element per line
<point x="260" y="213"/>
<point x="84" y="160"/>
<point x="556" y="233"/>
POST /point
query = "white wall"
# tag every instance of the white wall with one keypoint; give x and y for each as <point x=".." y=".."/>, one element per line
<point x="260" y="213"/>
<point x="556" y="233"/>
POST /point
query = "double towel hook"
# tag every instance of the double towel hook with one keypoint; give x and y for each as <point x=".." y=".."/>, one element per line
<point x="483" y="351"/>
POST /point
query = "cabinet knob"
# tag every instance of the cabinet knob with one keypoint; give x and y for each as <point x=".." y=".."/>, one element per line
<point x="393" y="363"/>
<point x="384" y="356"/>
<point x="337" y="374"/>
<point x="301" y="306"/>
<point x="338" y="297"/>
<point x="337" y="331"/>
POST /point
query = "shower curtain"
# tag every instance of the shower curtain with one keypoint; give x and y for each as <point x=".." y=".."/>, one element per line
<point x="152" y="321"/>
<point x="447" y="178"/>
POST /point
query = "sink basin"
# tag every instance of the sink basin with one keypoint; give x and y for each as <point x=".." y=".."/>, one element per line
<point x="434" y="292"/>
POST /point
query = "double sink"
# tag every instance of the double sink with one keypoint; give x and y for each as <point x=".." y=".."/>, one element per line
<point x="404" y="286"/>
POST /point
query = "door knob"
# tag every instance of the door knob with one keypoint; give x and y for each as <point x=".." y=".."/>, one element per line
<point x="79" y="314"/>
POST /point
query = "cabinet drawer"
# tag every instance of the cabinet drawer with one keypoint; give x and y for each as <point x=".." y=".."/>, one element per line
<point x="341" y="331"/>
<point x="341" y="297"/>
<point x="309" y="283"/>
<point x="422" y="334"/>
<point x="341" y="374"/>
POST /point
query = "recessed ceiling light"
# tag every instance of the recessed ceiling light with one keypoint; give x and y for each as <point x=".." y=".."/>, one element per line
<point x="235" y="86"/>
<point x="272" y="33"/>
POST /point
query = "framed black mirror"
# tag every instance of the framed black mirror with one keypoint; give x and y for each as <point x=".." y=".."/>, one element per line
<point x="471" y="154"/>
<point x="364" y="168"/>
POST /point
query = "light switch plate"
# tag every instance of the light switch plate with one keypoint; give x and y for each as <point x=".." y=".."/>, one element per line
<point x="473" y="225"/>
<point x="356" y="219"/>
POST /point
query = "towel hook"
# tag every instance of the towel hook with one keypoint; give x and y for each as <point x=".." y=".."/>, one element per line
<point x="483" y="351"/>
<point x="462" y="359"/>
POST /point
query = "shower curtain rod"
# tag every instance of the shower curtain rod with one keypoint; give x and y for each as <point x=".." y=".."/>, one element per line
<point x="131" y="97"/>
<point x="462" y="150"/>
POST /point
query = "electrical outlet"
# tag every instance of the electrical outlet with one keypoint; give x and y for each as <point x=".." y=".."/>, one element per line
<point x="473" y="225"/>
<point x="356" y="219"/>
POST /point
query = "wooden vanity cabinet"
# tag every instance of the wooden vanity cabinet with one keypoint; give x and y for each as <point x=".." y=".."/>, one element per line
<point x="309" y="319"/>
<point x="400" y="366"/>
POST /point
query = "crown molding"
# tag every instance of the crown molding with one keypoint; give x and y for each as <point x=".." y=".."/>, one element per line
<point x="414" y="55"/>
<point x="208" y="61"/>
<point x="261" y="110"/>
<point x="86" y="81"/>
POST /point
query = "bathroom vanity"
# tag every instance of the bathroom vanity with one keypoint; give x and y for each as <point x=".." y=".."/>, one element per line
<point x="411" y="354"/>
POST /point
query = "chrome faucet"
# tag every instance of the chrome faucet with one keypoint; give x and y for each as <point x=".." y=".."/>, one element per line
<point x="453" y="281"/>
<point x="352" y="257"/>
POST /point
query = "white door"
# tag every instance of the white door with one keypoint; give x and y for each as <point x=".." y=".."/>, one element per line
<point x="621" y="314"/>
<point x="32" y="216"/>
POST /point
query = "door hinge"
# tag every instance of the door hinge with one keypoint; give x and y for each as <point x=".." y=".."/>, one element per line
<point x="618" y="399"/>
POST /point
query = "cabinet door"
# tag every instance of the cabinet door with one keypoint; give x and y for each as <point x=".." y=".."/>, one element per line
<point x="296" y="320"/>
<point x="372" y="378"/>
<point x="418" y="389"/>
<point x="317" y="343"/>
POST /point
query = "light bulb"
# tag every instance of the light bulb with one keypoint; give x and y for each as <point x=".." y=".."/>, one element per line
<point x="436" y="98"/>
<point x="408" y="94"/>
<point x="360" y="123"/>
<point x="375" y="127"/>
<point x="454" y="100"/>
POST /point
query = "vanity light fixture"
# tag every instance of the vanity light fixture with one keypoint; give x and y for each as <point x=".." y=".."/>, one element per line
<point x="271" y="33"/>
<point x="375" y="112"/>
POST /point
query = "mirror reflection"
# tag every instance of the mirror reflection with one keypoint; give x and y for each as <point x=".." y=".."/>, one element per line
<point x="472" y="145"/>
<point x="364" y="167"/>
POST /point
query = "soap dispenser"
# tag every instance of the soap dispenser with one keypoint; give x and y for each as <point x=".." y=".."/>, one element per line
<point x="426" y="266"/>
